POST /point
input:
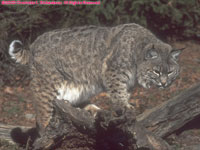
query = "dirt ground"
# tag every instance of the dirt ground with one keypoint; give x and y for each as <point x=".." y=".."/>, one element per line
<point x="16" y="106"/>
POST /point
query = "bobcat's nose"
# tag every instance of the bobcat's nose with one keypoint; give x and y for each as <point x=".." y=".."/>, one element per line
<point x="163" y="80"/>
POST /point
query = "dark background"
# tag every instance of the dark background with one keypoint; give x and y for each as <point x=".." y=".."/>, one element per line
<point x="174" y="21"/>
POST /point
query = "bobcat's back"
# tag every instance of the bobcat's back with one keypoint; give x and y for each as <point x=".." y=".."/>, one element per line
<point x="78" y="53"/>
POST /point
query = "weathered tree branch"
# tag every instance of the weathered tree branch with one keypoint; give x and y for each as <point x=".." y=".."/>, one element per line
<point x="108" y="130"/>
<point x="174" y="113"/>
<point x="73" y="128"/>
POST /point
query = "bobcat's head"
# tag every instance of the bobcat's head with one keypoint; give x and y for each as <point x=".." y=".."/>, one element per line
<point x="159" y="66"/>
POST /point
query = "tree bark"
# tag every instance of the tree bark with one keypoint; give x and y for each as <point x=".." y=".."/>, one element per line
<point x="76" y="129"/>
<point x="109" y="130"/>
<point x="174" y="113"/>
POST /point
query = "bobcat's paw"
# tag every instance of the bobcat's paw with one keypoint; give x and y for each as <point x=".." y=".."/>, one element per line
<point x="93" y="109"/>
<point x="130" y="106"/>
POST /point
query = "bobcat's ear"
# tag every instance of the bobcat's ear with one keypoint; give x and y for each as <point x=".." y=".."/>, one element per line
<point x="151" y="53"/>
<point x="175" y="53"/>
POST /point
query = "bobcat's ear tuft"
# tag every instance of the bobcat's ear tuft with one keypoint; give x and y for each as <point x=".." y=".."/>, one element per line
<point x="175" y="53"/>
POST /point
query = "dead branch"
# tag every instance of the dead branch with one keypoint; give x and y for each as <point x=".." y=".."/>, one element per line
<point x="174" y="113"/>
<point x="77" y="129"/>
<point x="108" y="130"/>
<point x="5" y="131"/>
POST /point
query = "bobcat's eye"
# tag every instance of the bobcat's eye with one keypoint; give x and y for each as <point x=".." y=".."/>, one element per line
<point x="157" y="72"/>
<point x="170" y="73"/>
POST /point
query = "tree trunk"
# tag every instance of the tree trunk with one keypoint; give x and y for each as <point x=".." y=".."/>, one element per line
<point x="76" y="129"/>
<point x="174" y="113"/>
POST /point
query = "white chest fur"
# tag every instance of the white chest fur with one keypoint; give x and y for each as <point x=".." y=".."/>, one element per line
<point x="75" y="94"/>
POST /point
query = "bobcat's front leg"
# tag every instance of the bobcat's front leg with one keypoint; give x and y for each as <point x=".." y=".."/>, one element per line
<point x="117" y="83"/>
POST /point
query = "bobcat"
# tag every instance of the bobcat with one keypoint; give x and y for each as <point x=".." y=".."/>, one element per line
<point x="76" y="63"/>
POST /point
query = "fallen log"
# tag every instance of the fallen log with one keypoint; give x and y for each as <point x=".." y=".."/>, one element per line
<point x="5" y="132"/>
<point x="108" y="130"/>
<point x="174" y="113"/>
<point x="77" y="129"/>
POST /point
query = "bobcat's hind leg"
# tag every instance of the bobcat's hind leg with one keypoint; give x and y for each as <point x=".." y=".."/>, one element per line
<point x="44" y="95"/>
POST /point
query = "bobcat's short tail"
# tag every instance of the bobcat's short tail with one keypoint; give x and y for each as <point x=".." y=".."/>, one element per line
<point x="18" y="53"/>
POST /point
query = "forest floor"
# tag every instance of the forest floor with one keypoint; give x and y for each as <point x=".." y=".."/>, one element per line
<point x="16" y="106"/>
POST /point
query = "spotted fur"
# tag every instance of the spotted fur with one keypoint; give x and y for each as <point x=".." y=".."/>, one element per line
<point x="77" y="63"/>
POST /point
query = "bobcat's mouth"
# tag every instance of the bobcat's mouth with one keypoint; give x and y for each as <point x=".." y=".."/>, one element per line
<point x="161" y="85"/>
<point x="151" y="82"/>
